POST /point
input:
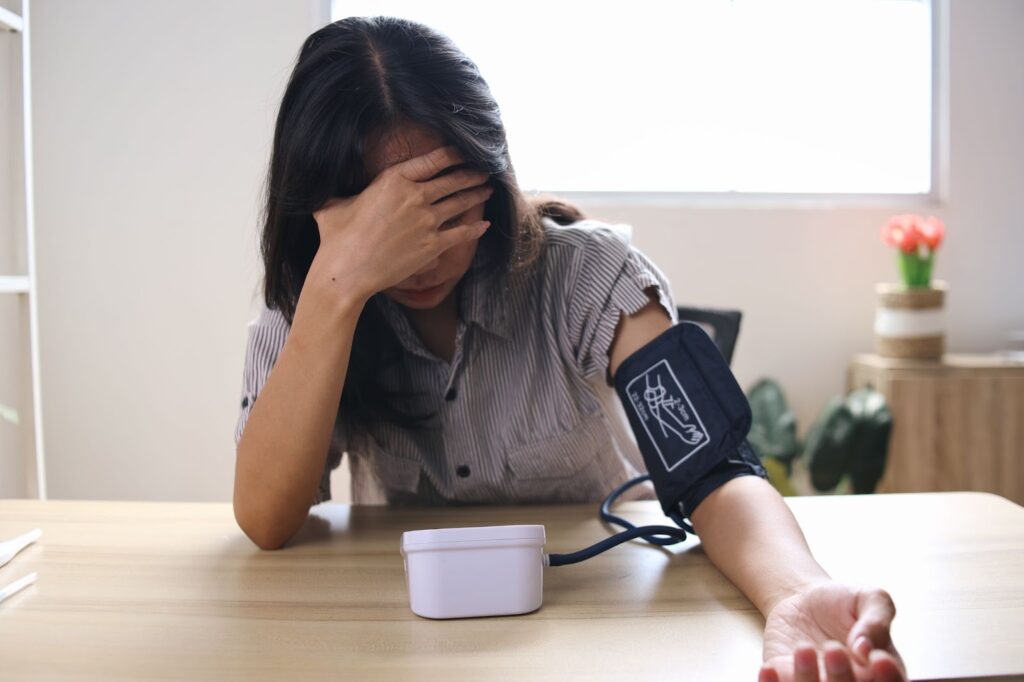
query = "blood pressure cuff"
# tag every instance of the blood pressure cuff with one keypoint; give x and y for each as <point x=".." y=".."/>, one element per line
<point x="689" y="416"/>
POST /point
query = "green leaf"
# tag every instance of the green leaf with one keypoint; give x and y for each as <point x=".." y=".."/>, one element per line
<point x="9" y="413"/>
<point x="773" y="427"/>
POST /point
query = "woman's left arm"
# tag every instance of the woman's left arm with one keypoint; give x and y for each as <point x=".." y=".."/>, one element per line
<point x="750" y="534"/>
<point x="752" y="537"/>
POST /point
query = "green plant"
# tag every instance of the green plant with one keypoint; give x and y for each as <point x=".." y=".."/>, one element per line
<point x="9" y="414"/>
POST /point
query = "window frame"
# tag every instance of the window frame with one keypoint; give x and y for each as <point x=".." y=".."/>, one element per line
<point x="936" y="197"/>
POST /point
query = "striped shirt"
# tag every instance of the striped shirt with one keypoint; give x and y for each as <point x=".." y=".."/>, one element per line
<point x="526" y="410"/>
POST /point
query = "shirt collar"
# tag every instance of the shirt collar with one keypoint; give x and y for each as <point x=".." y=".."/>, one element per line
<point x="401" y="325"/>
<point x="483" y="301"/>
<point x="484" y="297"/>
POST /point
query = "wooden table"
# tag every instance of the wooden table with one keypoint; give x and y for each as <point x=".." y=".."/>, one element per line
<point x="958" y="422"/>
<point x="174" y="590"/>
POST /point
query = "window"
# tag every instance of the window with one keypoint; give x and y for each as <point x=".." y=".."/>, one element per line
<point x="818" y="97"/>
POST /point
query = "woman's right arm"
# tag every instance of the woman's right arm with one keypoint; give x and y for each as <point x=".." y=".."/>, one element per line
<point x="281" y="453"/>
<point x="367" y="243"/>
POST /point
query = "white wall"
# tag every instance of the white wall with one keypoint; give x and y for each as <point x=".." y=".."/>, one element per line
<point x="153" y="124"/>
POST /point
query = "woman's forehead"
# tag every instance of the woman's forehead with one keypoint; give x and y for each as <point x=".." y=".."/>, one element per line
<point x="399" y="144"/>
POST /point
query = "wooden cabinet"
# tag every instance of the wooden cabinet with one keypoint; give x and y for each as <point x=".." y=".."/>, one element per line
<point x="958" y="423"/>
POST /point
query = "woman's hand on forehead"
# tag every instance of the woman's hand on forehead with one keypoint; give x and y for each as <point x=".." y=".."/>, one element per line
<point x="449" y="182"/>
<point x="431" y="165"/>
<point x="393" y="228"/>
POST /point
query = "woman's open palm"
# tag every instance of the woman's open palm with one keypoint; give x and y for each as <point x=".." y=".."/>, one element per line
<point x="838" y="620"/>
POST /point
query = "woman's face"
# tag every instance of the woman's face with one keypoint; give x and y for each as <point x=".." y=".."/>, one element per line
<point x="429" y="287"/>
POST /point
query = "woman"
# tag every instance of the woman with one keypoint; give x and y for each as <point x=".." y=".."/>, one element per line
<point x="458" y="341"/>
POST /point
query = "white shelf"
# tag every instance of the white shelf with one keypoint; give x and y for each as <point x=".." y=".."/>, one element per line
<point x="14" y="285"/>
<point x="26" y="285"/>
<point x="10" y="21"/>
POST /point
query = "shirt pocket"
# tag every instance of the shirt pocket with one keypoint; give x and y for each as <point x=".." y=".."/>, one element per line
<point x="574" y="465"/>
<point x="393" y="473"/>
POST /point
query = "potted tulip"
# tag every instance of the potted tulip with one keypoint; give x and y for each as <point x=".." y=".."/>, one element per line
<point x="909" y="320"/>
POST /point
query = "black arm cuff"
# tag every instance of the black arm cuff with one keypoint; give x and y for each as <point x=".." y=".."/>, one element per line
<point x="743" y="463"/>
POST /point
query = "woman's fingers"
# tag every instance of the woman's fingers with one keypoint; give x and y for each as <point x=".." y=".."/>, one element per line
<point x="446" y="239"/>
<point x="767" y="674"/>
<point x="807" y="667"/>
<point x="457" y="203"/>
<point x="834" y="664"/>
<point x="805" y="663"/>
<point x="875" y="611"/>
<point x="453" y="182"/>
<point x="885" y="667"/>
<point x="838" y="667"/>
<point x="426" y="166"/>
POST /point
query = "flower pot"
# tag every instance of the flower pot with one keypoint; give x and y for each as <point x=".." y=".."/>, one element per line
<point x="911" y="322"/>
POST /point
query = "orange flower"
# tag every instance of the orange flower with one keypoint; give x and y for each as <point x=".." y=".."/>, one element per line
<point x="932" y="232"/>
<point x="908" y="232"/>
<point x="901" y="231"/>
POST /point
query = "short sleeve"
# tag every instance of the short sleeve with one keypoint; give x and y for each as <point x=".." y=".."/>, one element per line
<point x="267" y="334"/>
<point x="610" y="279"/>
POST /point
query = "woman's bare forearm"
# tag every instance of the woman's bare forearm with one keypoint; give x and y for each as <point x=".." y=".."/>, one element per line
<point x="283" y="448"/>
<point x="750" y="534"/>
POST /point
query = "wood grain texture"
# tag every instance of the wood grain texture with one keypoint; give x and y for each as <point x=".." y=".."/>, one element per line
<point x="917" y="298"/>
<point x="958" y="423"/>
<point x="911" y="346"/>
<point x="132" y="590"/>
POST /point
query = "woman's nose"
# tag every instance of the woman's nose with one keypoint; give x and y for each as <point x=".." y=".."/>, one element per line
<point x="427" y="269"/>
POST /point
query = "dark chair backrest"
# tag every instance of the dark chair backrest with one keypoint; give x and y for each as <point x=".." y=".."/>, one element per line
<point x="724" y="326"/>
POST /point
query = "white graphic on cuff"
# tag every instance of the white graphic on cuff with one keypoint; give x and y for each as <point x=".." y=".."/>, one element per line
<point x="657" y="398"/>
<point x="662" y="400"/>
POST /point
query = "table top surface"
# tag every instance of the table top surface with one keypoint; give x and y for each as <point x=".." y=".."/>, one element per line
<point x="175" y="590"/>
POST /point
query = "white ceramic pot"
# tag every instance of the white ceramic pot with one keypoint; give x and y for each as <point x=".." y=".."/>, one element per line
<point x="911" y="323"/>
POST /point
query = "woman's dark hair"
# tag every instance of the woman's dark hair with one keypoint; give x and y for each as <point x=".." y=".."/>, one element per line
<point x="355" y="79"/>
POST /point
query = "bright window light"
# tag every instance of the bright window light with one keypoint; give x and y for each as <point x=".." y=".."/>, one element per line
<point x="766" y="96"/>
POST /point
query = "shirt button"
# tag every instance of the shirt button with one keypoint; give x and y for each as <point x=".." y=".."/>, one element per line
<point x="245" y="401"/>
<point x="463" y="471"/>
<point x="450" y="395"/>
